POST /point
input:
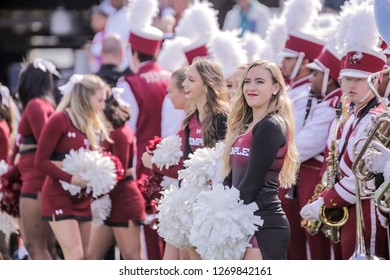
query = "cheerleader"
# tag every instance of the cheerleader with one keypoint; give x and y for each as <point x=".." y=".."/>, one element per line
<point x="261" y="155"/>
<point x="74" y="125"/>
<point x="128" y="207"/>
<point x="176" y="94"/>
<point x="36" y="93"/>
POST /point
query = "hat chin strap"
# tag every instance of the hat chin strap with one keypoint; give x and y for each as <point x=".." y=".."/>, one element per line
<point x="368" y="93"/>
<point x="325" y="80"/>
<point x="297" y="65"/>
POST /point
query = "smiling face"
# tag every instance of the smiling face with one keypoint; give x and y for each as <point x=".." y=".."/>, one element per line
<point x="258" y="88"/>
<point x="98" y="100"/>
<point x="194" y="87"/>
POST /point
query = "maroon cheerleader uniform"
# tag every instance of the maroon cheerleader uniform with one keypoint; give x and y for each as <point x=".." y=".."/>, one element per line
<point x="34" y="117"/>
<point x="59" y="137"/>
<point x="257" y="158"/>
<point x="127" y="200"/>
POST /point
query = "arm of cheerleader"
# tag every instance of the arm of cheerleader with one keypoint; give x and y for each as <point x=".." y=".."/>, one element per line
<point x="52" y="132"/>
<point x="221" y="127"/>
<point x="228" y="180"/>
<point x="172" y="171"/>
<point x="268" y="138"/>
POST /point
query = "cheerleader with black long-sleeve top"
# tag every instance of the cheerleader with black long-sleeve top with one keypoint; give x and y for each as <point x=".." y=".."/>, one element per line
<point x="261" y="155"/>
<point x="73" y="126"/>
<point x="205" y="87"/>
<point x="128" y="205"/>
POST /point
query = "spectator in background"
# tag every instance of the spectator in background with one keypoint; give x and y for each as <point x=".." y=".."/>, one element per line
<point x="112" y="54"/>
<point x="119" y="22"/>
<point x="249" y="15"/>
<point x="98" y="20"/>
<point x="223" y="7"/>
<point x="332" y="6"/>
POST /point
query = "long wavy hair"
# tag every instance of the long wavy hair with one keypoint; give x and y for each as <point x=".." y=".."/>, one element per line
<point x="279" y="108"/>
<point x="216" y="96"/>
<point x="86" y="119"/>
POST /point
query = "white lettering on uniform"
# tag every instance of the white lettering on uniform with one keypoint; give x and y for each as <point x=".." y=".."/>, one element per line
<point x="151" y="77"/>
<point x="198" y="131"/>
<point x="240" y="151"/>
<point x="196" y="141"/>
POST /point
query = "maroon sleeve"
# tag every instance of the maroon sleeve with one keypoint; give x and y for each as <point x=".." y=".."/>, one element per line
<point x="37" y="114"/>
<point x="52" y="132"/>
<point x="4" y="142"/>
<point x="172" y="171"/>
<point x="121" y="147"/>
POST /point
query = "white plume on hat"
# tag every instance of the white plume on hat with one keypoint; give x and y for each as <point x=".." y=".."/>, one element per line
<point x="198" y="22"/>
<point x="252" y="44"/>
<point x="171" y="56"/>
<point x="325" y="24"/>
<point x="300" y="14"/>
<point x="357" y="27"/>
<point x="142" y="12"/>
<point x="275" y="40"/>
<point x="226" y="49"/>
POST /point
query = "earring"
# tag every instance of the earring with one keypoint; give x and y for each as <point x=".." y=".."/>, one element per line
<point x="275" y="92"/>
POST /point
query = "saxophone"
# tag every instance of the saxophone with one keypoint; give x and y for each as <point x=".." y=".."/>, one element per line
<point x="330" y="219"/>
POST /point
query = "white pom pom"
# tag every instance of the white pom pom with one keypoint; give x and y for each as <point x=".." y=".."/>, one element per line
<point x="222" y="224"/>
<point x="3" y="167"/>
<point x="8" y="224"/>
<point x="168" y="152"/>
<point x="203" y="165"/>
<point x="101" y="209"/>
<point x="167" y="181"/>
<point x="99" y="171"/>
<point x="175" y="216"/>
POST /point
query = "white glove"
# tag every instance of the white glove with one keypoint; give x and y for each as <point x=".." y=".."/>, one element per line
<point x="376" y="158"/>
<point x="382" y="218"/>
<point x="311" y="211"/>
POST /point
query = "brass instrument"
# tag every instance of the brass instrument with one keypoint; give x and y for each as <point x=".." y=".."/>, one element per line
<point x="330" y="219"/>
<point x="361" y="252"/>
<point x="379" y="132"/>
<point x="382" y="197"/>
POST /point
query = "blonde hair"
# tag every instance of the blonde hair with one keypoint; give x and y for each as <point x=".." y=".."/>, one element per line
<point x="85" y="118"/>
<point x="279" y="108"/>
<point x="216" y="96"/>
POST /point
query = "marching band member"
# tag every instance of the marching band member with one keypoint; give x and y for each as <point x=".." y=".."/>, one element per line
<point x="359" y="62"/>
<point x="311" y="139"/>
<point x="301" y="48"/>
